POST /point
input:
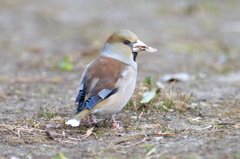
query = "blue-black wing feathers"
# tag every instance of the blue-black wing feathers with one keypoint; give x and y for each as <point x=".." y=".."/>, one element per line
<point x="93" y="100"/>
<point x="80" y="100"/>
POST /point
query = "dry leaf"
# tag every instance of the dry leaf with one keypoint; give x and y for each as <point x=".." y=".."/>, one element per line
<point x="181" y="106"/>
<point x="140" y="115"/>
<point x="148" y="96"/>
<point x="88" y="133"/>
<point x="165" y="134"/>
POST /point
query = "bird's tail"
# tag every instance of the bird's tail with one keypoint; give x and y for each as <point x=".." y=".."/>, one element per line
<point x="76" y="120"/>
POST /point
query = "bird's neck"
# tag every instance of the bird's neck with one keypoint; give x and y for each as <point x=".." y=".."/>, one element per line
<point x="109" y="52"/>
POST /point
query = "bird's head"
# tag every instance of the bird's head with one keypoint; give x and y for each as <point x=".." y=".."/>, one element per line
<point x="124" y="45"/>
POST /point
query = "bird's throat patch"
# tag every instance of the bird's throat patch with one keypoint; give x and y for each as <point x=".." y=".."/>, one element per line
<point x="135" y="56"/>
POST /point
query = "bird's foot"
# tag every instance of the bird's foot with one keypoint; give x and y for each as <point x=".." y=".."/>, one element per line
<point x="92" y="120"/>
<point x="115" y="124"/>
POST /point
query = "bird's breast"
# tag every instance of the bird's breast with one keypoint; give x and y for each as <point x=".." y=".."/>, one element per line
<point x="115" y="103"/>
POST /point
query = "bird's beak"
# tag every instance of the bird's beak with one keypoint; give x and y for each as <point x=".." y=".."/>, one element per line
<point x="140" y="46"/>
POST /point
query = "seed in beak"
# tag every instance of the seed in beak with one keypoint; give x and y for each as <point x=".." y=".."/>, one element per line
<point x="150" y="49"/>
<point x="140" y="46"/>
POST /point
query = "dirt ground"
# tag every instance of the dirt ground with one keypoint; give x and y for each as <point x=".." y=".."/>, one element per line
<point x="45" y="45"/>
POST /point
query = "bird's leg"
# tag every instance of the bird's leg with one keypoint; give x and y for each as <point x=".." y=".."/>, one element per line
<point x="115" y="125"/>
<point x="92" y="120"/>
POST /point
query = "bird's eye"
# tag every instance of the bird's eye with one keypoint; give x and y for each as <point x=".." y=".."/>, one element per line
<point x="126" y="42"/>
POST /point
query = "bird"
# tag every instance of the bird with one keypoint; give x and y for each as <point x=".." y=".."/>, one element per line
<point x="108" y="82"/>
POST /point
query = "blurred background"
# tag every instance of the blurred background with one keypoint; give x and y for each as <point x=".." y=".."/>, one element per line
<point x="191" y="35"/>
<point x="46" y="44"/>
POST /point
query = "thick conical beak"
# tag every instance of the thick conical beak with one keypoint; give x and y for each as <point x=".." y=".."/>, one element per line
<point x="140" y="46"/>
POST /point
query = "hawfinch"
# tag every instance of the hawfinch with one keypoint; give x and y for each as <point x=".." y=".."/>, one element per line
<point x="109" y="81"/>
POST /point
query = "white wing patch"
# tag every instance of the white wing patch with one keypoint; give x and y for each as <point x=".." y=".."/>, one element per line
<point x="104" y="93"/>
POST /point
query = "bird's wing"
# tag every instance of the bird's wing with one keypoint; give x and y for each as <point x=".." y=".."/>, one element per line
<point x="80" y="98"/>
<point x="99" y="82"/>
